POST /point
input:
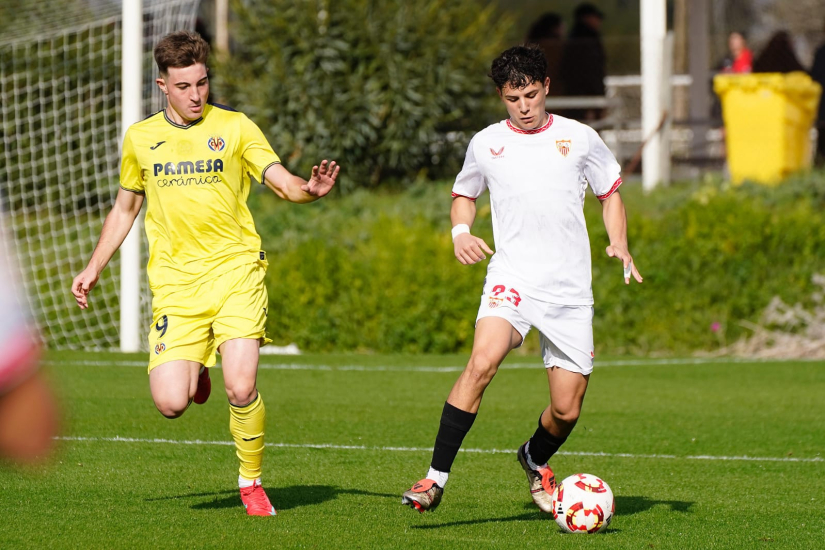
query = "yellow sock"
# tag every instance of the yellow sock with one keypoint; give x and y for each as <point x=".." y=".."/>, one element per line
<point x="246" y="424"/>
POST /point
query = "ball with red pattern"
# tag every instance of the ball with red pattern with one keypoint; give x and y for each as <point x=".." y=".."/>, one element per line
<point x="583" y="503"/>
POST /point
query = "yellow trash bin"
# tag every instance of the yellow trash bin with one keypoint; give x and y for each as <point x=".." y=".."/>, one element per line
<point x="768" y="119"/>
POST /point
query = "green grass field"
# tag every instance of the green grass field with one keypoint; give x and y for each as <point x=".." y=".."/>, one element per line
<point x="699" y="455"/>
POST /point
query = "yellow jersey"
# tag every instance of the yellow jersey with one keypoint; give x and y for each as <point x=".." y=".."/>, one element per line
<point x="196" y="179"/>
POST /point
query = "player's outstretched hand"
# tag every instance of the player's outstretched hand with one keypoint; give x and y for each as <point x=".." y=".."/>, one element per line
<point x="82" y="285"/>
<point x="322" y="179"/>
<point x="621" y="252"/>
<point x="469" y="249"/>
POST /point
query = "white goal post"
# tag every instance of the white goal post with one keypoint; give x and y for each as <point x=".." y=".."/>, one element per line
<point x="131" y="110"/>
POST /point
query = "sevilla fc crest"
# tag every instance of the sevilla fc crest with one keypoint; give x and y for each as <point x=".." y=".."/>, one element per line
<point x="563" y="145"/>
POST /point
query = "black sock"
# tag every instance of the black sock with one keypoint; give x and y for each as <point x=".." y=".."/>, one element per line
<point x="455" y="424"/>
<point x="543" y="445"/>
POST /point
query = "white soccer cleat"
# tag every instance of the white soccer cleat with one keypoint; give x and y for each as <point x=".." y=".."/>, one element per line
<point x="542" y="482"/>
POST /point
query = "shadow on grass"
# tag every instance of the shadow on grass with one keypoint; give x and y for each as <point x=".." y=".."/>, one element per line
<point x="629" y="505"/>
<point x="283" y="498"/>
<point x="530" y="516"/>
<point x="625" y="505"/>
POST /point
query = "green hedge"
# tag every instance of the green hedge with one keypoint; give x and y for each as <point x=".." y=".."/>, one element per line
<point x="713" y="257"/>
<point x="376" y="272"/>
<point x="368" y="272"/>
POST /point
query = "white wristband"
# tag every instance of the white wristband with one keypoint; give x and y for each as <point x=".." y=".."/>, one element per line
<point x="459" y="229"/>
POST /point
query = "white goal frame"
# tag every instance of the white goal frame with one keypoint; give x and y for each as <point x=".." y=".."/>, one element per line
<point x="131" y="111"/>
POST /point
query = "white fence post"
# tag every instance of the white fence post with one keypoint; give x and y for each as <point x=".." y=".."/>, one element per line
<point x="653" y="28"/>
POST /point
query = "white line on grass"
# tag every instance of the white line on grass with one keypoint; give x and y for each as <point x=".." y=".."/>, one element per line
<point x="426" y="368"/>
<point x="118" y="439"/>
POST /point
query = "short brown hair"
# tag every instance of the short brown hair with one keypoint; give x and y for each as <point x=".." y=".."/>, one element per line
<point x="180" y="49"/>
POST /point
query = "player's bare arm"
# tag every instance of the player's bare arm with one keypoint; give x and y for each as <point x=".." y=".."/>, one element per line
<point x="615" y="221"/>
<point x="468" y="248"/>
<point x="295" y="189"/>
<point x="115" y="228"/>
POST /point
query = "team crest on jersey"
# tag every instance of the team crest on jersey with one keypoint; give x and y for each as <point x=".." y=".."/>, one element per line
<point x="494" y="302"/>
<point x="563" y="145"/>
<point x="497" y="154"/>
<point x="160" y="348"/>
<point x="216" y="143"/>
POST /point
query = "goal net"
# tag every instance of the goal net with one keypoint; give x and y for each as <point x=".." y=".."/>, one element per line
<point x="60" y="89"/>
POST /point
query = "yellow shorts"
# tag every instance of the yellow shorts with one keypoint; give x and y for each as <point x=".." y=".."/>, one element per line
<point x="192" y="323"/>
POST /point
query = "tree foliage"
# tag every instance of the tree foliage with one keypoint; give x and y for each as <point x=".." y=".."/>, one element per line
<point x="380" y="85"/>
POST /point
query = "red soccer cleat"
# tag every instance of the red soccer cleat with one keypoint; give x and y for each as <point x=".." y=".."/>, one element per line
<point x="256" y="502"/>
<point x="204" y="387"/>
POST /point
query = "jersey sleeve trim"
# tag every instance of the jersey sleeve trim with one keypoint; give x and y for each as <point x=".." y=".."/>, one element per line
<point x="135" y="191"/>
<point x="224" y="107"/>
<point x="616" y="185"/>
<point x="463" y="196"/>
<point x="154" y="114"/>
<point x="263" y="172"/>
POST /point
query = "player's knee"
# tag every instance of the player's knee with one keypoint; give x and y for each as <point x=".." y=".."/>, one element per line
<point x="566" y="413"/>
<point x="241" y="393"/>
<point x="172" y="408"/>
<point x="481" y="369"/>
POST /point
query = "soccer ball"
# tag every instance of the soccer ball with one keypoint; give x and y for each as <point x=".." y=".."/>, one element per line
<point x="583" y="503"/>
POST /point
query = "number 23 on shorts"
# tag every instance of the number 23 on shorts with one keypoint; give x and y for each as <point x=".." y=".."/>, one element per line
<point x="512" y="295"/>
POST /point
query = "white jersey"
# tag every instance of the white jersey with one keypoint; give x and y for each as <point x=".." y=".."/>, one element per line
<point x="537" y="180"/>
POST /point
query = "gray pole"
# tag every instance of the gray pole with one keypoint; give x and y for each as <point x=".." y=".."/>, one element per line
<point x="699" y="68"/>
<point x="222" y="26"/>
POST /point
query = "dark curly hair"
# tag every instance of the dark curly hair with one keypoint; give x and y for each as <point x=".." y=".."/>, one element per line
<point x="519" y="66"/>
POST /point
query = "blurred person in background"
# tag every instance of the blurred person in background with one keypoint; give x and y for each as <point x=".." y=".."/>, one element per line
<point x="818" y="75"/>
<point x="28" y="414"/>
<point x="583" y="64"/>
<point x="739" y="59"/>
<point x="778" y="56"/>
<point x="547" y="32"/>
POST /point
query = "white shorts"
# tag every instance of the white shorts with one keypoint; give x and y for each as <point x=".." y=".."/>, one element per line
<point x="566" y="331"/>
